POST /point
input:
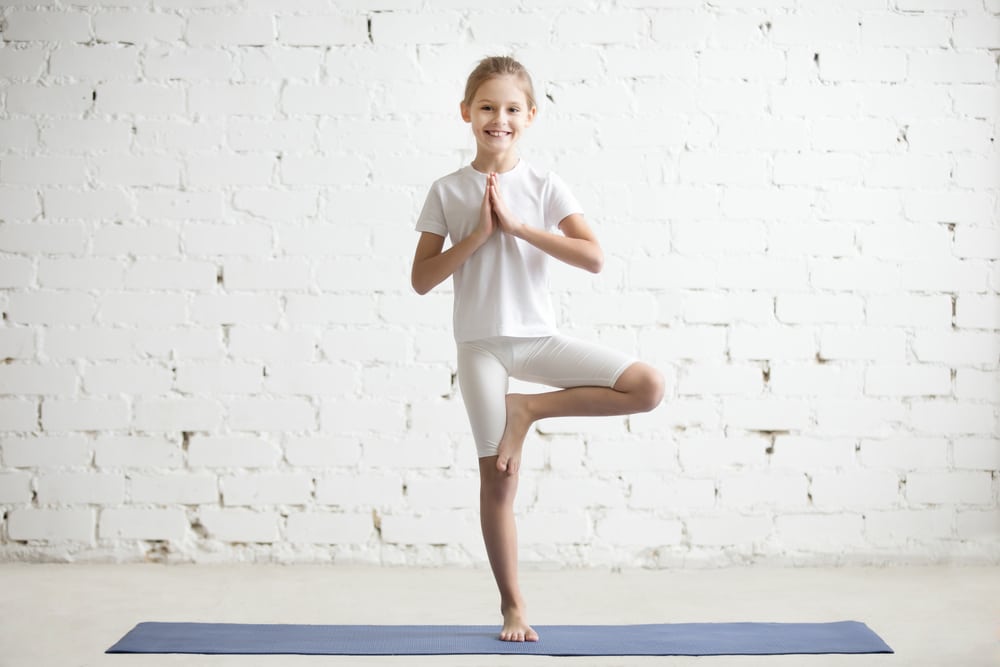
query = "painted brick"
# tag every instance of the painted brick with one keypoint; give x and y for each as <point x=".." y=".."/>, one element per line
<point x="721" y="531"/>
<point x="409" y="28"/>
<point x="601" y="28"/>
<point x="182" y="489"/>
<point x="315" y="30"/>
<point x="965" y="487"/>
<point x="882" y="380"/>
<point x="450" y="493"/>
<point x="870" y="343"/>
<point x="266" y="489"/>
<point x="440" y="527"/>
<point x="52" y="525"/>
<point x="81" y="488"/>
<point x="897" y="528"/>
<point x="51" y="26"/>
<point x="15" y="488"/>
<point x="977" y="524"/>
<point x="976" y="453"/>
<point x="143" y="524"/>
<point x="23" y="63"/>
<point x="863" y="65"/>
<point x="137" y="26"/>
<point x="718" y="379"/>
<point x="17" y="344"/>
<point x="354" y="492"/>
<point x="874" y="418"/>
<point x="136" y="379"/>
<point x="16" y="272"/>
<point x="322" y="452"/>
<point x="18" y="414"/>
<point x="820" y="532"/>
<point x="811" y="379"/>
<point x="895" y="30"/>
<point x="786" y="489"/>
<point x="186" y="414"/>
<point x="904" y="453"/>
<point x="951" y="67"/>
<point x="975" y="384"/>
<point x="772" y="343"/>
<point x="144" y="99"/>
<point x="808" y="453"/>
<point x="555" y="528"/>
<point x="84" y="414"/>
<point x="237" y="451"/>
<point x="854" y="489"/>
<point x="957" y="348"/>
<point x="230" y="29"/>
<point x="621" y="527"/>
<point x="925" y="312"/>
<point x="240" y="525"/>
<point x="953" y="418"/>
<point x="327" y="528"/>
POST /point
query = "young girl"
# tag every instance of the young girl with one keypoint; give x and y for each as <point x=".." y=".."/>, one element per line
<point x="506" y="219"/>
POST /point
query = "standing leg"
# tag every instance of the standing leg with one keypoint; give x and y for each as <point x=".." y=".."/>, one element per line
<point x="483" y="381"/>
<point x="496" y="513"/>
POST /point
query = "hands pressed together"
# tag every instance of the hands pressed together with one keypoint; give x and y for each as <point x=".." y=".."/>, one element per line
<point x="494" y="214"/>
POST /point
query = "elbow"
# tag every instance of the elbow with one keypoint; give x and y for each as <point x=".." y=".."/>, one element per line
<point x="417" y="285"/>
<point x="596" y="263"/>
<point x="421" y="285"/>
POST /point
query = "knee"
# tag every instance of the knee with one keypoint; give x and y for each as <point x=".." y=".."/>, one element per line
<point x="650" y="390"/>
<point x="497" y="488"/>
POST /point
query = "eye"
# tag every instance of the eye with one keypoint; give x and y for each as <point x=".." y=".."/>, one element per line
<point x="514" y="110"/>
<point x="486" y="107"/>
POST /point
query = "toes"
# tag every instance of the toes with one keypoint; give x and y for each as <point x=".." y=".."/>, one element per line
<point x="528" y="635"/>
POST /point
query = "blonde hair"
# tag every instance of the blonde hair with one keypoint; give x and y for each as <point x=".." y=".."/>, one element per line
<point x="496" y="66"/>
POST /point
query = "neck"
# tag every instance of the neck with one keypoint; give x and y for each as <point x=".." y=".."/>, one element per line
<point x="499" y="163"/>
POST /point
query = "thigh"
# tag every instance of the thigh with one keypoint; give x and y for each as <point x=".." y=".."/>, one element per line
<point x="483" y="381"/>
<point x="563" y="361"/>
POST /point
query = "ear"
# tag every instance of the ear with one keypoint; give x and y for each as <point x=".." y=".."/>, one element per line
<point x="531" y="116"/>
<point x="466" y="112"/>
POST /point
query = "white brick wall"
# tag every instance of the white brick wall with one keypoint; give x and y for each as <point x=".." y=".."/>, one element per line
<point x="209" y="348"/>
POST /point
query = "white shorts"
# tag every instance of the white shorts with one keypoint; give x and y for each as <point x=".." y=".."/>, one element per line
<point x="485" y="365"/>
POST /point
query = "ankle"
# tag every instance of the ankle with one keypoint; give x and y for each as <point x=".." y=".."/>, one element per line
<point x="515" y="605"/>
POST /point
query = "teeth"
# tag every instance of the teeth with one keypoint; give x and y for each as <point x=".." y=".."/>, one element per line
<point x="494" y="133"/>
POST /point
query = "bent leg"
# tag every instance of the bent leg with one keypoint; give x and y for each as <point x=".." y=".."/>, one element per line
<point x="638" y="389"/>
<point x="496" y="514"/>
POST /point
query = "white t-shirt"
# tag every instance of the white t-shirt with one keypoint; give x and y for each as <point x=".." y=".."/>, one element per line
<point x="502" y="289"/>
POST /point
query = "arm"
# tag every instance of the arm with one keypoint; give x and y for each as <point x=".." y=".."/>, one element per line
<point x="431" y="266"/>
<point x="577" y="245"/>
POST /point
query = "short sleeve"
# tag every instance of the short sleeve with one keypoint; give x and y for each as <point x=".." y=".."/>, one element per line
<point x="432" y="215"/>
<point x="559" y="201"/>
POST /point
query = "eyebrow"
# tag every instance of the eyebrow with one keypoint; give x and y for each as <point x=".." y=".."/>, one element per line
<point x="489" y="101"/>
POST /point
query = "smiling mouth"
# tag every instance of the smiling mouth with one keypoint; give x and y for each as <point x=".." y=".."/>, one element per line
<point x="497" y="133"/>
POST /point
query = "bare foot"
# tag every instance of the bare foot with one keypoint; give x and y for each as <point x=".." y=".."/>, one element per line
<point x="514" y="433"/>
<point x="515" y="628"/>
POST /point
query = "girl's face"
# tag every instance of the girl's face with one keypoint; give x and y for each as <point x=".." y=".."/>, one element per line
<point x="499" y="113"/>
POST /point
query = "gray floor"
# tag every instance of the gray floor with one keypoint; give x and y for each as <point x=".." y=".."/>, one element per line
<point x="67" y="615"/>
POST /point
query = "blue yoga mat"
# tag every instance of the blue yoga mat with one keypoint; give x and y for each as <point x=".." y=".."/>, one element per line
<point x="560" y="640"/>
